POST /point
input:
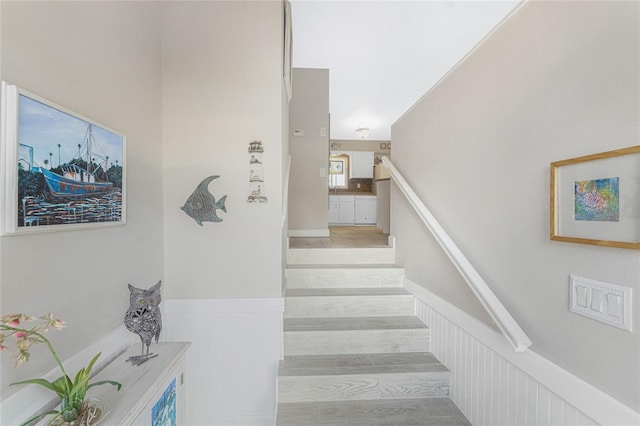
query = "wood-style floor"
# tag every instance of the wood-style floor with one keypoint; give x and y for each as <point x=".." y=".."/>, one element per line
<point x="344" y="237"/>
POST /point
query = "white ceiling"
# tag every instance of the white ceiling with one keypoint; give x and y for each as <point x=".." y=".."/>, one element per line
<point x="384" y="55"/>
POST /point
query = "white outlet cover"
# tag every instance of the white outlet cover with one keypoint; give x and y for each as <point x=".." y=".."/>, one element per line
<point x="605" y="302"/>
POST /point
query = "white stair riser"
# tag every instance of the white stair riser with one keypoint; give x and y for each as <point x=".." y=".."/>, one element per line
<point x="363" y="387"/>
<point x="356" y="341"/>
<point x="328" y="256"/>
<point x="348" y="306"/>
<point x="344" y="277"/>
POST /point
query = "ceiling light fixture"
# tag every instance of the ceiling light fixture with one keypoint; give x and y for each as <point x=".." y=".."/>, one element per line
<point x="362" y="131"/>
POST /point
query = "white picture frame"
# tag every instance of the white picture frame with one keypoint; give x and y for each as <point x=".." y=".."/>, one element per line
<point x="61" y="170"/>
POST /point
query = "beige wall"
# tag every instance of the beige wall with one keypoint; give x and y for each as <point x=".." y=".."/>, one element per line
<point x="222" y="89"/>
<point x="309" y="110"/>
<point x="101" y="60"/>
<point x="558" y="80"/>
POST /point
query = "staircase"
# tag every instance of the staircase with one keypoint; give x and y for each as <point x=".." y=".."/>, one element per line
<point x="355" y="354"/>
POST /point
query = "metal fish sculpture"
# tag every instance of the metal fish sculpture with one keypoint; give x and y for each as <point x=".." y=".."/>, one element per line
<point x="202" y="205"/>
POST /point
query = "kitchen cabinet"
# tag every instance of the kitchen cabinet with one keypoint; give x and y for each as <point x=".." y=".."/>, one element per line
<point x="350" y="209"/>
<point x="361" y="164"/>
<point x="341" y="209"/>
<point x="365" y="210"/>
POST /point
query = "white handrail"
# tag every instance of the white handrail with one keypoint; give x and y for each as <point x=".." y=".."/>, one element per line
<point x="503" y="319"/>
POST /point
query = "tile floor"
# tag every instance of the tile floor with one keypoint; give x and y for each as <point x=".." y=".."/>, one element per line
<point x="344" y="237"/>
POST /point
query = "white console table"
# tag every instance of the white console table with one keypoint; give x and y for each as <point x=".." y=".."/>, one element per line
<point x="149" y="391"/>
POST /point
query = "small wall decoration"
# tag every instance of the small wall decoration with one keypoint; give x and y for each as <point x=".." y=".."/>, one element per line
<point x="202" y="205"/>
<point x="62" y="170"/>
<point x="595" y="199"/>
<point x="144" y="319"/>
<point x="163" y="412"/>
<point x="256" y="174"/>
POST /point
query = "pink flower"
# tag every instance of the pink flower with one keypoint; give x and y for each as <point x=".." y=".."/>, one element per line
<point x="58" y="324"/>
<point x="2" y="348"/>
<point x="55" y="323"/>
<point x="14" y="323"/>
<point x="20" y="335"/>
<point x="21" y="358"/>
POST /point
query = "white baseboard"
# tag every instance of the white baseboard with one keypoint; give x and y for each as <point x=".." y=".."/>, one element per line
<point x="235" y="421"/>
<point x="309" y="232"/>
<point x="523" y="388"/>
<point x="31" y="400"/>
<point x="232" y="365"/>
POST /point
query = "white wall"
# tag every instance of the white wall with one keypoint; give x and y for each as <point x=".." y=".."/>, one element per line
<point x="557" y="80"/>
<point x="222" y="89"/>
<point x="101" y="60"/>
<point x="308" y="191"/>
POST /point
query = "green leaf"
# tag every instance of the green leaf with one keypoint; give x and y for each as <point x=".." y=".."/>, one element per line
<point x="38" y="417"/>
<point x="105" y="382"/>
<point x="43" y="383"/>
<point x="64" y="384"/>
<point x="79" y="376"/>
<point x="93" y="361"/>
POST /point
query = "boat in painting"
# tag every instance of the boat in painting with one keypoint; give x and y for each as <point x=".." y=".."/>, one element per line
<point x="76" y="181"/>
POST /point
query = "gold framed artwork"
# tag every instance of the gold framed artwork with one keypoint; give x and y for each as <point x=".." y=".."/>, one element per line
<point x="595" y="199"/>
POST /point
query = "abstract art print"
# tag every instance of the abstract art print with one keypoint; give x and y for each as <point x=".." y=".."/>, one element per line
<point x="62" y="170"/>
<point x="597" y="200"/>
<point x="163" y="412"/>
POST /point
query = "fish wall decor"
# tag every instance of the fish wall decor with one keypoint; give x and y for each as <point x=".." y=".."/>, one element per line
<point x="202" y="205"/>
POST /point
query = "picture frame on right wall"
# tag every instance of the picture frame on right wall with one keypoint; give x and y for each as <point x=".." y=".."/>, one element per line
<point x="595" y="199"/>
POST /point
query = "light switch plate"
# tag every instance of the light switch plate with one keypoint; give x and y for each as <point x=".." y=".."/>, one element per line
<point x="601" y="301"/>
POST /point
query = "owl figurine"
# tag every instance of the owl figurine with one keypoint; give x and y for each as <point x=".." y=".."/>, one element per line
<point x="143" y="318"/>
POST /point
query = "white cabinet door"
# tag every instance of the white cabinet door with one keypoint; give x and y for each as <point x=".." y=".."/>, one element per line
<point x="341" y="209"/>
<point x="333" y="210"/>
<point x="361" y="164"/>
<point x="365" y="210"/>
<point x="346" y="210"/>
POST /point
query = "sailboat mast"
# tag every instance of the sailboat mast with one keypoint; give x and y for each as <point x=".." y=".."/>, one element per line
<point x="89" y="137"/>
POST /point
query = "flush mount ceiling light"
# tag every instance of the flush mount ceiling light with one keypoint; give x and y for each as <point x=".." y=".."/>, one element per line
<point x="362" y="131"/>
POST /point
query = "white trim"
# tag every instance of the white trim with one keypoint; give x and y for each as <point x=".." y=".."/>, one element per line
<point x="309" y="232"/>
<point x="239" y="420"/>
<point x="30" y="400"/>
<point x="585" y="397"/>
<point x="503" y="319"/>
<point x="285" y="191"/>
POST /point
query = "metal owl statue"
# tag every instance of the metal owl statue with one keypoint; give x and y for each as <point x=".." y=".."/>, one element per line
<point x="143" y="318"/>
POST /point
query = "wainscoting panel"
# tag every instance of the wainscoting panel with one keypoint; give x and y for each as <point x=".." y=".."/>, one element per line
<point x="494" y="386"/>
<point x="232" y="364"/>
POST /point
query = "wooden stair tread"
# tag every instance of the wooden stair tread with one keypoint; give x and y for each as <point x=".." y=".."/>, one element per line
<point x="318" y="365"/>
<point x="353" y="323"/>
<point x="345" y="266"/>
<point x="416" y="412"/>
<point x="345" y="291"/>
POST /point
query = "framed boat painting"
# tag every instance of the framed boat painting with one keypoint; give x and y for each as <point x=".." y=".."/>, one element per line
<point x="61" y="171"/>
<point x="595" y="199"/>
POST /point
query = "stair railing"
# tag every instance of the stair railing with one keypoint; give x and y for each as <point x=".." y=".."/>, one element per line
<point x="503" y="319"/>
